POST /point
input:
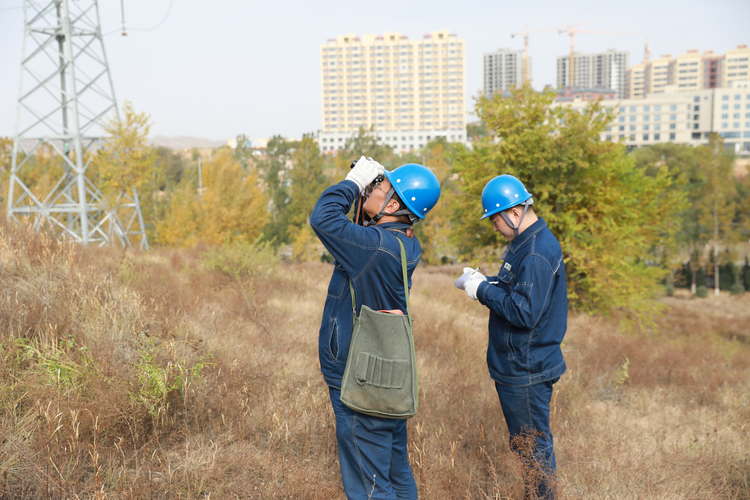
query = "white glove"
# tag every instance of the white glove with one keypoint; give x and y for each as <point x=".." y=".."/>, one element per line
<point x="474" y="275"/>
<point x="471" y="288"/>
<point x="364" y="172"/>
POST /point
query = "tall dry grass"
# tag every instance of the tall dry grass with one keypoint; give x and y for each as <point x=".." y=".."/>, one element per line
<point x="128" y="375"/>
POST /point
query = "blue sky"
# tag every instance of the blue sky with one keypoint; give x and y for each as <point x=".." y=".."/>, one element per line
<point x="218" y="69"/>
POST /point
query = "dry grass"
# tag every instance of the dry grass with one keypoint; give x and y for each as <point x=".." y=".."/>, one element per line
<point x="244" y="413"/>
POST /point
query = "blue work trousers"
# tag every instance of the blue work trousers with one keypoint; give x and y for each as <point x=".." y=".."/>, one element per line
<point x="526" y="411"/>
<point x="373" y="455"/>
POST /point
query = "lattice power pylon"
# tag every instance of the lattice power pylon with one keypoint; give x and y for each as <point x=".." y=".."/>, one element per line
<point x="65" y="96"/>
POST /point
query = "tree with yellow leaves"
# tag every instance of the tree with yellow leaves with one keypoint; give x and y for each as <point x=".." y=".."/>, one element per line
<point x="126" y="161"/>
<point x="230" y="207"/>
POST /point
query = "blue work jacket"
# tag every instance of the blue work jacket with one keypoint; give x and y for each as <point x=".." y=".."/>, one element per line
<point x="528" y="310"/>
<point x="368" y="256"/>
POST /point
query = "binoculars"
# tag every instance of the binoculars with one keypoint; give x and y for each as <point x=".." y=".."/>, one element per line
<point x="377" y="180"/>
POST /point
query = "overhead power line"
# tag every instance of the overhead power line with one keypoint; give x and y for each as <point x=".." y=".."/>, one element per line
<point x="123" y="30"/>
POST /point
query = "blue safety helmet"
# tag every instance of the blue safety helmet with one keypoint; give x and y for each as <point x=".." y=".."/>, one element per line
<point x="417" y="187"/>
<point x="502" y="193"/>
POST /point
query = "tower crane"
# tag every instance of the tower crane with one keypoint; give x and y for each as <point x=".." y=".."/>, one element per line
<point x="526" y="34"/>
<point x="572" y="32"/>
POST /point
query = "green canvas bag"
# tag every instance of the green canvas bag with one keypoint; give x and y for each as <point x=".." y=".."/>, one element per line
<point x="380" y="378"/>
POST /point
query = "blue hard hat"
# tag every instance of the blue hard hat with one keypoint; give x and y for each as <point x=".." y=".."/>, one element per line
<point x="417" y="187"/>
<point x="501" y="193"/>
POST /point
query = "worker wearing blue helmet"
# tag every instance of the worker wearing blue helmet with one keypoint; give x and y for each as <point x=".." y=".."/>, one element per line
<point x="528" y="317"/>
<point x="372" y="451"/>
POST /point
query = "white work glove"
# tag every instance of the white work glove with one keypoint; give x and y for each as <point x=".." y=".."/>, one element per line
<point x="471" y="288"/>
<point x="364" y="172"/>
<point x="475" y="275"/>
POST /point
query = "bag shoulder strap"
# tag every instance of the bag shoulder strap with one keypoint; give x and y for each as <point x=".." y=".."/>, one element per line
<point x="405" y="275"/>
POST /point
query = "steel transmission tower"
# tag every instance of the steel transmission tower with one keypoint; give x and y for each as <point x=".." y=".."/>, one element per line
<point x="65" y="95"/>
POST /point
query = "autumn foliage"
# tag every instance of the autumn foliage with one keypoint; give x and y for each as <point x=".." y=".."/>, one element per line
<point x="230" y="207"/>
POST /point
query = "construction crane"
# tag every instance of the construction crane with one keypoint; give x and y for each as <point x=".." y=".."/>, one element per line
<point x="572" y="32"/>
<point x="526" y="34"/>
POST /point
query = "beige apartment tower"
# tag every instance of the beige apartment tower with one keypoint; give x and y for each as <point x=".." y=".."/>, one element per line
<point x="409" y="91"/>
<point x="688" y="72"/>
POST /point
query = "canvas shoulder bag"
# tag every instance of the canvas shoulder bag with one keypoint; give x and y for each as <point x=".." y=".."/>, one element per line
<point x="380" y="378"/>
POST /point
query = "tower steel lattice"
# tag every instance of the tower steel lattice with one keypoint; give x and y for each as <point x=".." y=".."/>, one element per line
<point x="65" y="96"/>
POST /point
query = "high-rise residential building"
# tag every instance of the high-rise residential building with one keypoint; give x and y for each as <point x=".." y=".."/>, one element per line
<point x="736" y="65"/>
<point x="409" y="91"/>
<point x="680" y="116"/>
<point x="688" y="72"/>
<point x="713" y="75"/>
<point x="503" y="69"/>
<point x="649" y="77"/>
<point x="661" y="73"/>
<point x="604" y="70"/>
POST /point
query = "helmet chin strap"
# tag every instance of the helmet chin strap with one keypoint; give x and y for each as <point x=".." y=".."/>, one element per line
<point x="510" y="223"/>
<point x="374" y="219"/>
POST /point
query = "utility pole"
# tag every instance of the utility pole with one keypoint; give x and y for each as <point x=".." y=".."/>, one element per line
<point x="715" y="168"/>
<point x="716" y="240"/>
<point x="65" y="94"/>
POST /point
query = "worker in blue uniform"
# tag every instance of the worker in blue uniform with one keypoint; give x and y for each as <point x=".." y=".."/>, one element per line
<point x="372" y="450"/>
<point x="528" y="306"/>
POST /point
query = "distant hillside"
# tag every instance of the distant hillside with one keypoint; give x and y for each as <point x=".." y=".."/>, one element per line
<point x="183" y="142"/>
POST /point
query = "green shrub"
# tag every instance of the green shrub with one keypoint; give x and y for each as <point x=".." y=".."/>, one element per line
<point x="670" y="290"/>
<point x="701" y="292"/>
<point x="737" y="289"/>
<point x="241" y="259"/>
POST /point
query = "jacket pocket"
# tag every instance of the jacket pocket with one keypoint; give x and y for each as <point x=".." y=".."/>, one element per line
<point x="506" y="277"/>
<point x="509" y="341"/>
<point x="333" y="340"/>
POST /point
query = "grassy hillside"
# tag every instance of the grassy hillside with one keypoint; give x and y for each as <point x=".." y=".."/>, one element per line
<point x="153" y="376"/>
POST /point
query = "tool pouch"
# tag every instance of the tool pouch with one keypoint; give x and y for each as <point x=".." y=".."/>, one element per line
<point x="380" y="378"/>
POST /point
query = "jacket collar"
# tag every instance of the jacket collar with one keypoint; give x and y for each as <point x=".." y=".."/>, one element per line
<point x="525" y="236"/>
<point x="393" y="225"/>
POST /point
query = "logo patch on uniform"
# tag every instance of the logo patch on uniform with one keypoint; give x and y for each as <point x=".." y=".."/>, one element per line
<point x="507" y="266"/>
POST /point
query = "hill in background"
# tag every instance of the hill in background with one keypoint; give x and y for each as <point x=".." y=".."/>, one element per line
<point x="184" y="142"/>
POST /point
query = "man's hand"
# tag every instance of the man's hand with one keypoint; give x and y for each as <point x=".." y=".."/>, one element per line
<point x="471" y="288"/>
<point x="475" y="275"/>
<point x="364" y="172"/>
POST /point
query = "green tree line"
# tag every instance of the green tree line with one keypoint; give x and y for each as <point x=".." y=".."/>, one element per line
<point x="624" y="219"/>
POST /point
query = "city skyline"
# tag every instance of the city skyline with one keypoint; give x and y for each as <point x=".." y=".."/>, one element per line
<point x="236" y="76"/>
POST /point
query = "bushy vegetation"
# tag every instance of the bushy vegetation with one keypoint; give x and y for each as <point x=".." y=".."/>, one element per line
<point x="602" y="207"/>
<point x="193" y="373"/>
<point x="628" y="222"/>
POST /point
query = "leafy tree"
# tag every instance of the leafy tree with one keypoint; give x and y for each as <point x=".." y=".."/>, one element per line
<point x="241" y="151"/>
<point x="603" y="209"/>
<point x="125" y="161"/>
<point x="169" y="168"/>
<point x="307" y="181"/>
<point x="231" y="207"/>
<point x="365" y="143"/>
<point x="742" y="219"/>
<point x="475" y="130"/>
<point x="6" y="152"/>
<point x="682" y="162"/>
<point x="275" y="171"/>
<point x="433" y="232"/>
